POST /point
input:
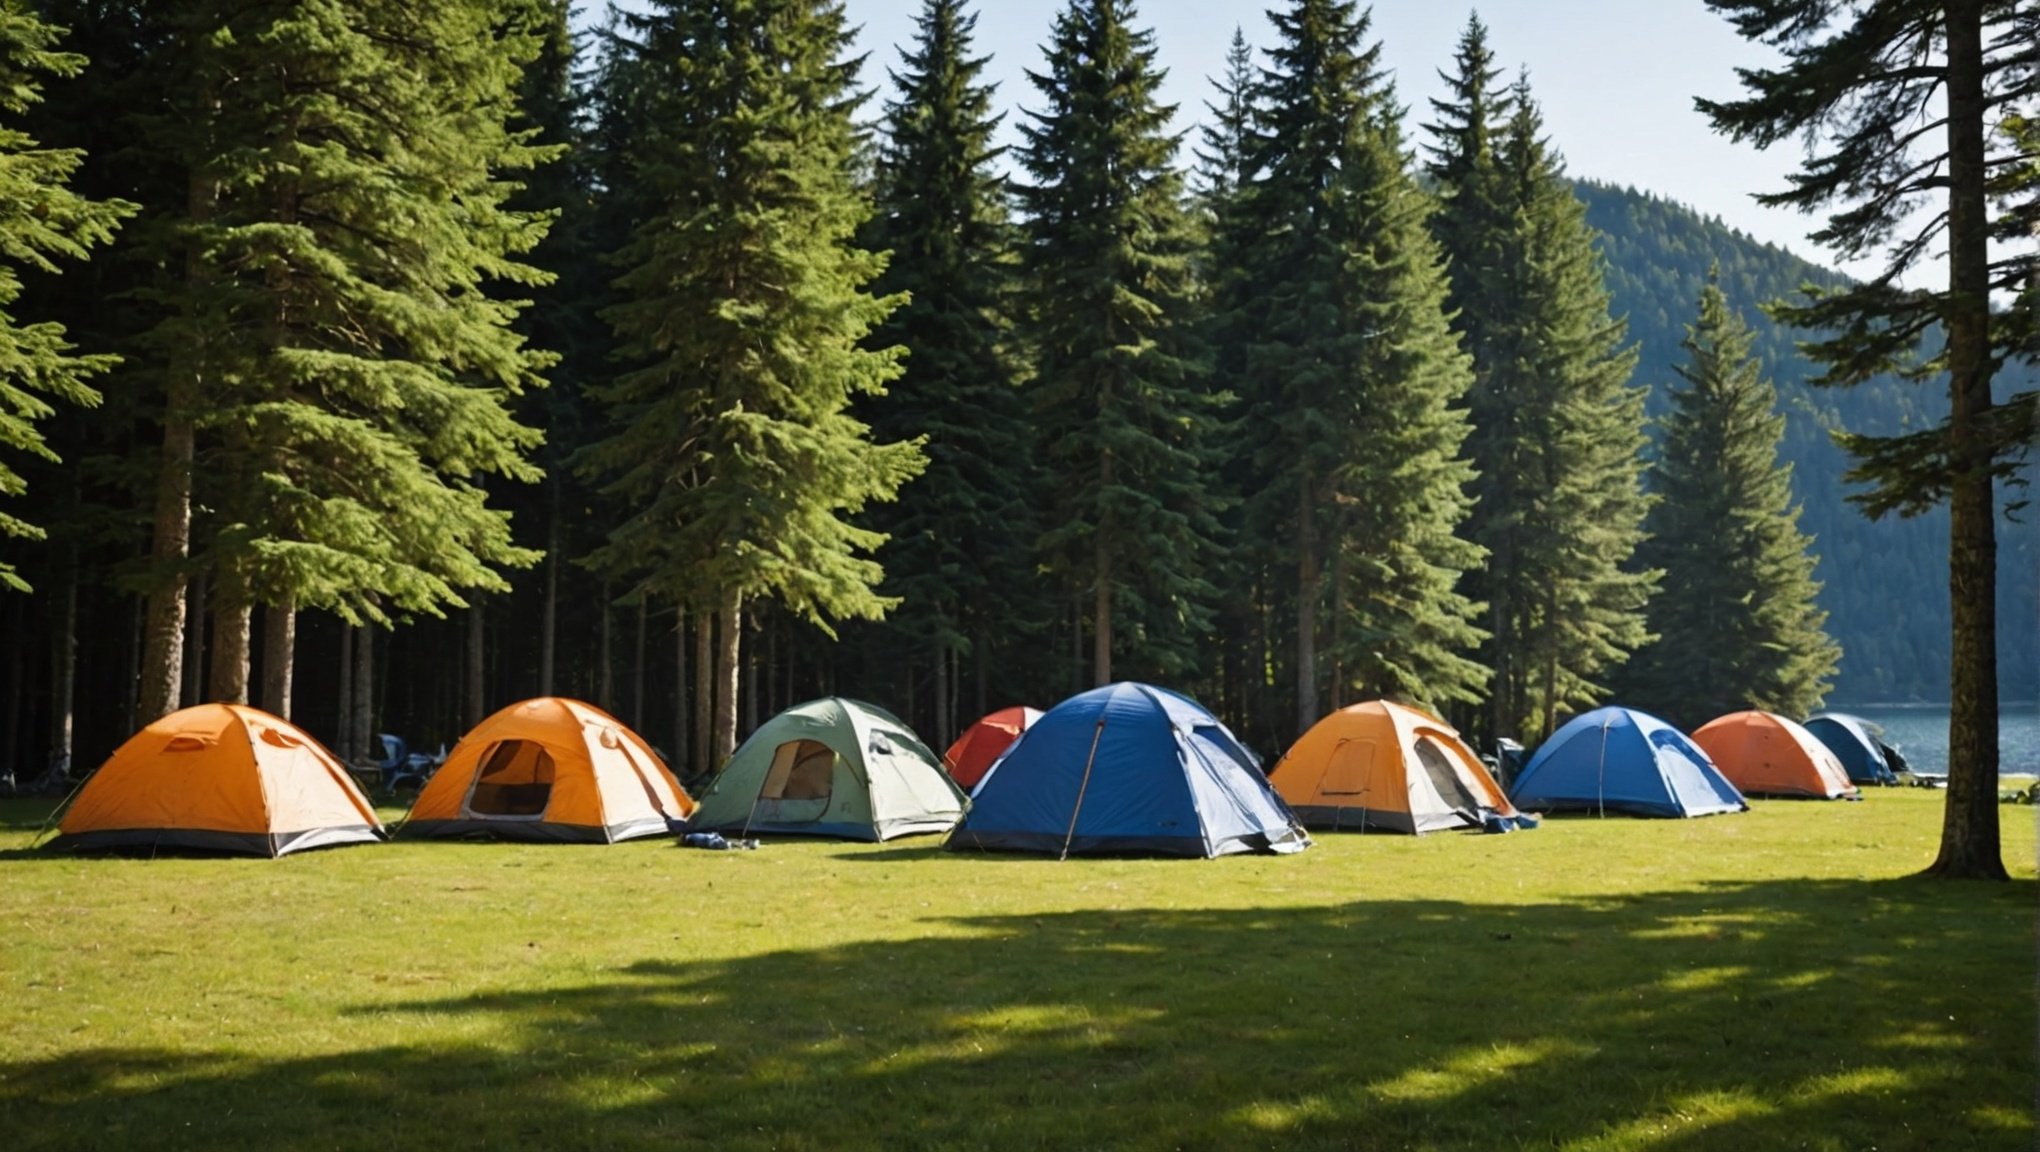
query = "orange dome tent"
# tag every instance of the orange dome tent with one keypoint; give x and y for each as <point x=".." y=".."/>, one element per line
<point x="1388" y="767"/>
<point x="984" y="742"/>
<point x="1764" y="754"/>
<point x="554" y="770"/>
<point x="223" y="778"/>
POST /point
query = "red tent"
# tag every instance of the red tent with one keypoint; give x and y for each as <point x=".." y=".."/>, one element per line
<point x="971" y="756"/>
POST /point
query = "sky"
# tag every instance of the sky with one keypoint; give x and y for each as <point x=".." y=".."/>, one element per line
<point x="1616" y="79"/>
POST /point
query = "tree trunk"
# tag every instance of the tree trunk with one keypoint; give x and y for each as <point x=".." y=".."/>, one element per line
<point x="605" y="671"/>
<point x="63" y="681"/>
<point x="279" y="657"/>
<point x="1338" y="606"/>
<point x="704" y="694"/>
<point x="732" y="614"/>
<point x="548" y="626"/>
<point x="1306" y="604"/>
<point x="477" y="652"/>
<point x="231" y="624"/>
<point x="10" y="701"/>
<point x="1969" y="826"/>
<point x="1550" y="702"/>
<point x="343" y="719"/>
<point x="194" y="640"/>
<point x="1101" y="608"/>
<point x="680" y="700"/>
<point x="637" y="669"/>
<point x="978" y="657"/>
<point x="163" y="628"/>
<point x="941" y="696"/>
<point x="751" y="681"/>
<point x="362" y="723"/>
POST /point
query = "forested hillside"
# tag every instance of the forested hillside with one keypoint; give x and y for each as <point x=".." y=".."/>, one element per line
<point x="1886" y="583"/>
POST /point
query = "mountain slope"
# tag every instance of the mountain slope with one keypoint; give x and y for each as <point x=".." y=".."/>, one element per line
<point x="1886" y="583"/>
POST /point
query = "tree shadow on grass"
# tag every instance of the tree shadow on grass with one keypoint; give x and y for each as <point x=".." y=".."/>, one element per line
<point x="1825" y="1015"/>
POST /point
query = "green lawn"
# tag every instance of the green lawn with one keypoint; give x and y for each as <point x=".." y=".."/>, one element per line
<point x="1747" y="982"/>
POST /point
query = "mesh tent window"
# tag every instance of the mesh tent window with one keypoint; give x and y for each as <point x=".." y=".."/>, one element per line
<point x="1445" y="775"/>
<point x="801" y="770"/>
<point x="514" y="782"/>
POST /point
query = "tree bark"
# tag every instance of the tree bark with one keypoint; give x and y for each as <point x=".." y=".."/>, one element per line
<point x="10" y="702"/>
<point x="751" y="681"/>
<point x="1306" y="603"/>
<point x="279" y="657"/>
<point x="1969" y="828"/>
<point x="194" y="640"/>
<point x="63" y="681"/>
<point x="978" y="657"/>
<point x="605" y="672"/>
<point x="231" y="624"/>
<point x="941" y="696"/>
<point x="362" y="722"/>
<point x="163" y="627"/>
<point x="477" y="652"/>
<point x="680" y="700"/>
<point x="732" y="613"/>
<point x="704" y="694"/>
<point x="637" y="670"/>
<point x="343" y="720"/>
<point x="548" y="627"/>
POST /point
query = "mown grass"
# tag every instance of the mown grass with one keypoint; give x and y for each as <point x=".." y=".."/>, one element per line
<point x="1760" y="981"/>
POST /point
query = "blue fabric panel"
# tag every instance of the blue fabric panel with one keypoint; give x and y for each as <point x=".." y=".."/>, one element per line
<point x="1164" y="772"/>
<point x="1623" y="761"/>
<point x="1852" y="744"/>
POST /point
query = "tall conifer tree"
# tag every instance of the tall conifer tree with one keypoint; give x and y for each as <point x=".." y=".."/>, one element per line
<point x="746" y="308"/>
<point x="1132" y="509"/>
<point x="1558" y="433"/>
<point x="1909" y="112"/>
<point x="1736" y="622"/>
<point x="962" y="534"/>
<point x="1352" y="376"/>
<point x="41" y="221"/>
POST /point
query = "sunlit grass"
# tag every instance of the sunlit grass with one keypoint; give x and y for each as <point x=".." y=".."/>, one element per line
<point x="1767" y="980"/>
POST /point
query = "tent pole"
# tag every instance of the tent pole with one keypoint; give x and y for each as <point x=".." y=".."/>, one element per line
<point x="1601" y="776"/>
<point x="1083" y="787"/>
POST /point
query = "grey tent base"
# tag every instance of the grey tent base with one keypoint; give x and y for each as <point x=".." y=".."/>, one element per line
<point x="865" y="833"/>
<point x="270" y="844"/>
<point x="1352" y="818"/>
<point x="1193" y="846"/>
<point x="537" y="831"/>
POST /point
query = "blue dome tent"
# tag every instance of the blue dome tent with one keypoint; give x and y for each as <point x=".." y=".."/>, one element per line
<point x="1622" y="760"/>
<point x="1850" y="739"/>
<point x="1128" y="768"/>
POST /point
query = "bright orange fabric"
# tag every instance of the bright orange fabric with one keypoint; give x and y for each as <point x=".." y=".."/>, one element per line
<point x="1366" y="756"/>
<point x="984" y="742"/>
<point x="604" y="774"/>
<point x="1765" y="754"/>
<point x="220" y="768"/>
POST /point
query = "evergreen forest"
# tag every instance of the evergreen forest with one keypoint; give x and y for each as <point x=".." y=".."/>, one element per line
<point x="384" y="364"/>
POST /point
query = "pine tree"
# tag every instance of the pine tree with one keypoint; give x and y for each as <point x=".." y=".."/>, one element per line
<point x="41" y="222"/>
<point x="1116" y="389"/>
<point x="1736" y="622"/>
<point x="1896" y="104"/>
<point x="1558" y="433"/>
<point x="1352" y="375"/>
<point x="337" y="361"/>
<point x="959" y="559"/>
<point x="1404" y="628"/>
<point x="745" y="311"/>
<point x="1573" y="452"/>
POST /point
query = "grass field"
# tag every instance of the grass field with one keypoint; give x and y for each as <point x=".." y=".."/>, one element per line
<point x="1751" y="982"/>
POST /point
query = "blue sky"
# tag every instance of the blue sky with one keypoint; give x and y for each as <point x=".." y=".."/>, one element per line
<point x="1616" y="78"/>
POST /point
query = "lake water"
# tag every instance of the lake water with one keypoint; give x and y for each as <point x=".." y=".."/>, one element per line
<point x="1921" y="732"/>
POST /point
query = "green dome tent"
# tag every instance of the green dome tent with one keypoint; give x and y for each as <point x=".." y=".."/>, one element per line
<point x="831" y="767"/>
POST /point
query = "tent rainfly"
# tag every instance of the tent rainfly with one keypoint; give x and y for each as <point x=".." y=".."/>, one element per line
<point x="832" y="767"/>
<point x="984" y="742"/>
<point x="1622" y="760"/>
<point x="1764" y="754"/>
<point x="550" y="770"/>
<point x="1382" y="766"/>
<point x="220" y="778"/>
